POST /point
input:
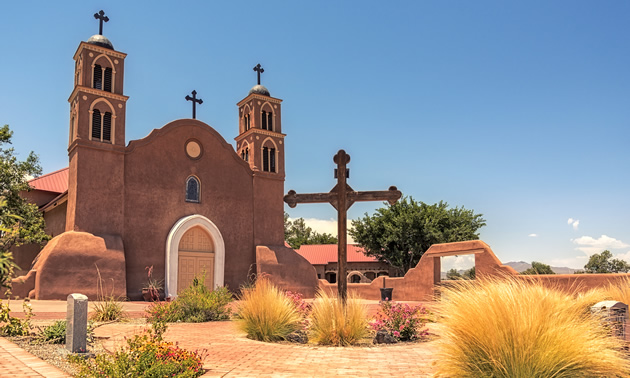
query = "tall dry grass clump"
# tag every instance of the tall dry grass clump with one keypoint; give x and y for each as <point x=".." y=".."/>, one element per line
<point x="266" y="313"/>
<point x="505" y="327"/>
<point x="619" y="291"/>
<point x="332" y="324"/>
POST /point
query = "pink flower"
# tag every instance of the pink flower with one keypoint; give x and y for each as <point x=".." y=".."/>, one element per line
<point x="396" y="333"/>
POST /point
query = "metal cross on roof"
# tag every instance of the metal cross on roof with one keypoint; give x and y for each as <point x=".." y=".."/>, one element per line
<point x="259" y="70"/>
<point x="341" y="197"/>
<point x="195" y="101"/>
<point x="100" y="16"/>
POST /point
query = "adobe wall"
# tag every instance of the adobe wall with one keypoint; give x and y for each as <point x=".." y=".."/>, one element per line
<point x="287" y="269"/>
<point x="68" y="264"/>
<point x="419" y="283"/>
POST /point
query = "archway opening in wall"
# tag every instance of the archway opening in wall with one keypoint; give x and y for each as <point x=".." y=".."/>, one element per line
<point x="355" y="278"/>
<point x="195" y="259"/>
<point x="201" y="245"/>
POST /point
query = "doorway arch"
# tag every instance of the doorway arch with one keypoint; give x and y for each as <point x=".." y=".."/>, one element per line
<point x="172" y="251"/>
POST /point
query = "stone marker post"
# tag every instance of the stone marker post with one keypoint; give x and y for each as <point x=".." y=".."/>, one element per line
<point x="76" y="323"/>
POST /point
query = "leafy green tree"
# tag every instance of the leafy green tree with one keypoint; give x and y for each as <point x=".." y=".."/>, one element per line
<point x="399" y="234"/>
<point x="297" y="233"/>
<point x="470" y="274"/>
<point x="20" y="221"/>
<point x="538" y="268"/>
<point x="604" y="263"/>
<point x="453" y="274"/>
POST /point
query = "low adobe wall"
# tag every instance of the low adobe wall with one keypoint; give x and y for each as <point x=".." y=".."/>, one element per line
<point x="419" y="283"/>
<point x="286" y="269"/>
<point x="68" y="264"/>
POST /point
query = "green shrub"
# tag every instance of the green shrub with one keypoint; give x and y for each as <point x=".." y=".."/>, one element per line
<point x="334" y="324"/>
<point x="12" y="326"/>
<point x="266" y="313"/>
<point x="56" y="333"/>
<point x="108" y="309"/>
<point x="193" y="305"/>
<point x="145" y="356"/>
<point x="504" y="327"/>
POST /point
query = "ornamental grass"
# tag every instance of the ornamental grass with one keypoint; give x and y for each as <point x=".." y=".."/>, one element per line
<point x="505" y="327"/>
<point x="266" y="313"/>
<point x="332" y="324"/>
<point x="620" y="291"/>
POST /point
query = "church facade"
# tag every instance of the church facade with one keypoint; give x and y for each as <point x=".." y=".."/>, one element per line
<point x="182" y="199"/>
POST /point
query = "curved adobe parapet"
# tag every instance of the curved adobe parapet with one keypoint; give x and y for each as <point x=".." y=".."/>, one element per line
<point x="68" y="264"/>
<point x="171" y="126"/>
<point x="287" y="269"/>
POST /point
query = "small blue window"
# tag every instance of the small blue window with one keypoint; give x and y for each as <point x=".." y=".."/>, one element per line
<point x="192" y="189"/>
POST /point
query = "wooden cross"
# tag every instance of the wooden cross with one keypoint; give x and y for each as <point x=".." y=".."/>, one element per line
<point x="259" y="70"/>
<point x="100" y="16"/>
<point x="341" y="197"/>
<point x="195" y="101"/>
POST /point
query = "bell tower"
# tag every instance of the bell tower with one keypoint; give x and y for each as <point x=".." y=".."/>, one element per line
<point x="97" y="137"/>
<point x="261" y="143"/>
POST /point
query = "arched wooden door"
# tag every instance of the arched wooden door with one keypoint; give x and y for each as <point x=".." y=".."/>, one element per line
<point x="196" y="255"/>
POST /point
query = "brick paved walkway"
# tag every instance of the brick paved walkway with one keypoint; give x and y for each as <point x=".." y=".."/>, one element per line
<point x="231" y="354"/>
<point x="16" y="362"/>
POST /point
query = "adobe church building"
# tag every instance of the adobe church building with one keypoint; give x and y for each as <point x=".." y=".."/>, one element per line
<point x="182" y="199"/>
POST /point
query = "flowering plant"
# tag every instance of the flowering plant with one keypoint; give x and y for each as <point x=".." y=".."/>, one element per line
<point x="402" y="321"/>
<point x="303" y="308"/>
<point x="153" y="286"/>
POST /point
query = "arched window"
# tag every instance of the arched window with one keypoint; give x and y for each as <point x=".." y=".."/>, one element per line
<point x="264" y="120"/>
<point x="96" y="124"/>
<point x="98" y="77"/>
<point x="246" y="123"/>
<point x="107" y="85"/>
<point x="270" y="121"/>
<point x="269" y="159"/>
<point x="192" y="189"/>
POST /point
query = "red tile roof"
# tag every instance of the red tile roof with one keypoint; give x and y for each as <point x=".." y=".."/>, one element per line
<point x="322" y="254"/>
<point x="56" y="182"/>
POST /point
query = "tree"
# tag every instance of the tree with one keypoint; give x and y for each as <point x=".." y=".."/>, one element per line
<point x="602" y="263"/>
<point x="297" y="233"/>
<point x="399" y="234"/>
<point x="453" y="274"/>
<point x="20" y="221"/>
<point x="538" y="268"/>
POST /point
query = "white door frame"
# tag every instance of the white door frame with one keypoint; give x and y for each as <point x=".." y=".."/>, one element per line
<point x="172" y="251"/>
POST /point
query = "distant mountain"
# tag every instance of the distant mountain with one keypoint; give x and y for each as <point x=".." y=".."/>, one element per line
<point x="520" y="266"/>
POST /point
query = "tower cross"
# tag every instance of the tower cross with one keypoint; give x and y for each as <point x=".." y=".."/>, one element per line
<point x="341" y="197"/>
<point x="100" y="16"/>
<point x="195" y="101"/>
<point x="259" y="70"/>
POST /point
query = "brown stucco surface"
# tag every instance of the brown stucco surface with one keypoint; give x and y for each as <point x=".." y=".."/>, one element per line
<point x="68" y="264"/>
<point x="287" y="269"/>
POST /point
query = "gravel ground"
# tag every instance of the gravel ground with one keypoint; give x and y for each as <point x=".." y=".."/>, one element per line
<point x="56" y="354"/>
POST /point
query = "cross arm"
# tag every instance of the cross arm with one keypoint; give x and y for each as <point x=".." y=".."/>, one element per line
<point x="392" y="195"/>
<point x="292" y="198"/>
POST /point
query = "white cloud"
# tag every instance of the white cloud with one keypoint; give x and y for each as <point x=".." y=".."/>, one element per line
<point x="624" y="256"/>
<point x="457" y="262"/>
<point x="573" y="222"/>
<point x="576" y="262"/>
<point x="590" y="245"/>
<point x="533" y="235"/>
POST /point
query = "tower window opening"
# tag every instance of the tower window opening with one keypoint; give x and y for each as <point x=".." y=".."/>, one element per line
<point x="272" y="159"/>
<point x="270" y="121"/>
<point x="96" y="124"/>
<point x="246" y="123"/>
<point x="247" y="154"/>
<point x="98" y="77"/>
<point x="192" y="189"/>
<point x="108" y="80"/>
<point x="107" y="127"/>
<point x="264" y="120"/>
<point x="265" y="159"/>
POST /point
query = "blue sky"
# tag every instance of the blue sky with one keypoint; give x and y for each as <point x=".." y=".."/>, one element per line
<point x="518" y="110"/>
